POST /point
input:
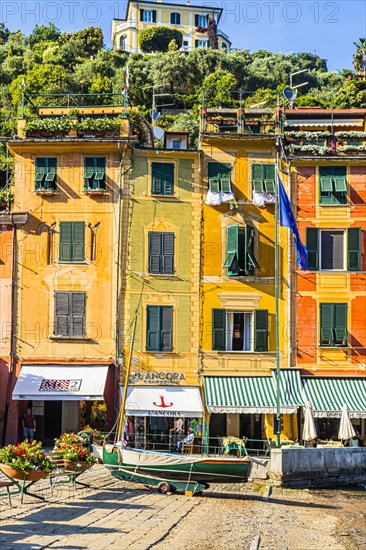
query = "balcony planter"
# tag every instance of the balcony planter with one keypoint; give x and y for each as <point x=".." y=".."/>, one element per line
<point x="23" y="475"/>
<point x="75" y="466"/>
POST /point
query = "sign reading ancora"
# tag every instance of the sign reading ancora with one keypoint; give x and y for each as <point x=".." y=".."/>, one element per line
<point x="161" y="378"/>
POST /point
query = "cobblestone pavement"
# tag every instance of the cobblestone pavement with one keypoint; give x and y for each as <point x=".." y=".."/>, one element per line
<point x="114" y="514"/>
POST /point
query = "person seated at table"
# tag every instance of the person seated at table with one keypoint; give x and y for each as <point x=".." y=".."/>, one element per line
<point x="188" y="440"/>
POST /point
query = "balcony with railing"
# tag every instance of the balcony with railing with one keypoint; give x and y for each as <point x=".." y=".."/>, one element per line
<point x="73" y="116"/>
<point x="254" y="122"/>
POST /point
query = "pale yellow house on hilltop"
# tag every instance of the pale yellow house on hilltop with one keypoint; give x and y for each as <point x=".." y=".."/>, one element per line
<point x="141" y="15"/>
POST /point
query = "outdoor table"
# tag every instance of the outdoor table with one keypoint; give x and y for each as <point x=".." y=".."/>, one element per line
<point x="231" y="443"/>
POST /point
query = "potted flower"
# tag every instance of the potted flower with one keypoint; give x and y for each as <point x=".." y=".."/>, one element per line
<point x="97" y="435"/>
<point x="75" y="458"/>
<point x="71" y="438"/>
<point x="25" y="461"/>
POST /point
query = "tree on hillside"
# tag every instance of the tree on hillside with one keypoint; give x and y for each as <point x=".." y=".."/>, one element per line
<point x="157" y="39"/>
<point x="4" y="33"/>
<point x="352" y="95"/>
<point x="42" y="33"/>
<point x="90" y="38"/>
<point x="359" y="58"/>
<point x="218" y="87"/>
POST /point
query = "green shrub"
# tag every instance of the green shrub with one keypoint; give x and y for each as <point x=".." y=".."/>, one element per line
<point x="158" y="39"/>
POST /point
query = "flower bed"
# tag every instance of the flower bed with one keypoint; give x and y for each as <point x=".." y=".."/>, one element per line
<point x="24" y="458"/>
<point x="51" y="126"/>
<point x="308" y="149"/>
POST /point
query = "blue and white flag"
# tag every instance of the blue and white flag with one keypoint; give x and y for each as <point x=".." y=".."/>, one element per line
<point x="287" y="219"/>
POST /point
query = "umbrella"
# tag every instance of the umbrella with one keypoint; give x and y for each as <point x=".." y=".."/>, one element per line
<point x="346" y="430"/>
<point x="309" y="431"/>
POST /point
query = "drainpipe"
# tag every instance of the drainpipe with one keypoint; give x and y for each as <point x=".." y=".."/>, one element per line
<point x="12" y="351"/>
<point x="118" y="262"/>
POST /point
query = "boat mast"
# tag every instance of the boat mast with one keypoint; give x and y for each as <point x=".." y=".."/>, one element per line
<point x="127" y="378"/>
<point x="277" y="423"/>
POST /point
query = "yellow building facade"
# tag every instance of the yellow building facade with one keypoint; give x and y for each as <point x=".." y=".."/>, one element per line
<point x="141" y="15"/>
<point x="238" y="306"/>
<point x="66" y="275"/>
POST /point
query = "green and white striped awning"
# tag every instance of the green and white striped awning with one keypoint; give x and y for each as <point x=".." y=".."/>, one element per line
<point x="292" y="394"/>
<point x="329" y="395"/>
<point x="243" y="395"/>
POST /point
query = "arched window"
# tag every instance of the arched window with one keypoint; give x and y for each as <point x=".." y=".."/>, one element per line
<point x="122" y="43"/>
<point x="224" y="47"/>
<point x="175" y="18"/>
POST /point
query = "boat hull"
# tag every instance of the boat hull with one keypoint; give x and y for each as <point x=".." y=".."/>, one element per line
<point x="164" y="467"/>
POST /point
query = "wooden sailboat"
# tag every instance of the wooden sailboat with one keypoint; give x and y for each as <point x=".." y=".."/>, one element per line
<point x="168" y="471"/>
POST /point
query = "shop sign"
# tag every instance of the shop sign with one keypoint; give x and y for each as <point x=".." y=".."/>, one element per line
<point x="60" y="385"/>
<point x="160" y="378"/>
<point x="338" y="414"/>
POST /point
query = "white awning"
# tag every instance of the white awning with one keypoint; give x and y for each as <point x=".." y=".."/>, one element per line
<point x="61" y="383"/>
<point x="164" y="401"/>
<point x="324" y="122"/>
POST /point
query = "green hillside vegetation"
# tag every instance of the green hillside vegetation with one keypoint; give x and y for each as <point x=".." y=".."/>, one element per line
<point x="49" y="61"/>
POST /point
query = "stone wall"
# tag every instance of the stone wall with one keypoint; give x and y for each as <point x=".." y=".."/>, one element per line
<point x="318" y="467"/>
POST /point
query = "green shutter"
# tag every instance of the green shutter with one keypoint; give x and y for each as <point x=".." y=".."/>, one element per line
<point x="88" y="172"/>
<point x="62" y="314"/>
<point x="340" y="184"/>
<point x="78" y="241"/>
<point x="261" y="330"/>
<point x="65" y="242"/>
<point x="225" y="177"/>
<point x="77" y="327"/>
<point x="326" y="184"/>
<point x="167" y="247"/>
<point x="213" y="172"/>
<point x="51" y="170"/>
<point x="40" y="172"/>
<point x="312" y="244"/>
<point x="154" y="16"/>
<point x="99" y="177"/>
<point x="326" y="324"/>
<point x="155" y="252"/>
<point x="168" y="178"/>
<point x="232" y="250"/>
<point x="142" y="15"/>
<point x="196" y="21"/>
<point x="269" y="178"/>
<point x="258" y="178"/>
<point x="354" y="249"/>
<point x="340" y="324"/>
<point x="249" y="255"/>
<point x="166" y="332"/>
<point x="153" y="328"/>
<point x="219" y="329"/>
<point x="157" y="184"/>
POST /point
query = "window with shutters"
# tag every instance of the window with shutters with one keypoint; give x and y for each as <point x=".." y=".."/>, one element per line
<point x="201" y="20"/>
<point x="72" y="242"/>
<point x="263" y="178"/>
<point x="202" y="44"/>
<point x="148" y="16"/>
<point x="175" y="18"/>
<point x="334" y="249"/>
<point x="159" y="334"/>
<point x="94" y="173"/>
<point x="161" y="253"/>
<point x="333" y="325"/>
<point x="162" y="178"/>
<point x="333" y="184"/>
<point x="240" y="251"/>
<point x="70" y="312"/>
<point x="240" y="330"/>
<point x="46" y="173"/>
<point x="219" y="177"/>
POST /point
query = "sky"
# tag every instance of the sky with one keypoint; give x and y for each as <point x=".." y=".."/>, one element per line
<point x="323" y="27"/>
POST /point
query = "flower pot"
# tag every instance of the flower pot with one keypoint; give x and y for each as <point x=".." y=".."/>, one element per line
<point x="20" y="475"/>
<point x="74" y="466"/>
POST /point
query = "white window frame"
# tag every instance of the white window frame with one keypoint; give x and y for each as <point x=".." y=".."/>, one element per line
<point x="175" y="13"/>
<point x="229" y="344"/>
<point x="344" y="268"/>
<point x="177" y="141"/>
<point x="147" y="16"/>
<point x="202" y="21"/>
<point x="202" y="43"/>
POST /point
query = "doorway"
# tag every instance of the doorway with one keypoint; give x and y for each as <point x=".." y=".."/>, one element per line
<point x="52" y="420"/>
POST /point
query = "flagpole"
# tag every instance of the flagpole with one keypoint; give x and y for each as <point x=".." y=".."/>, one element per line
<point x="277" y="423"/>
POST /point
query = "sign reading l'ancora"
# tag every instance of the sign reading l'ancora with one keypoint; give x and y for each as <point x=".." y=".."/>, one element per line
<point x="160" y="378"/>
